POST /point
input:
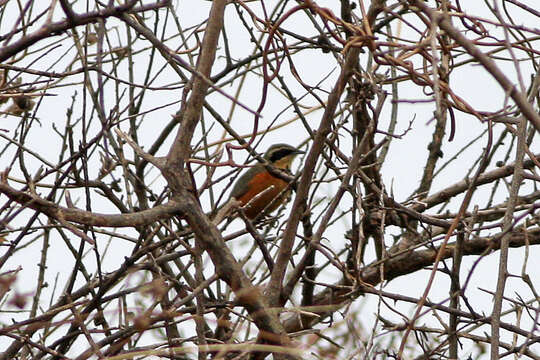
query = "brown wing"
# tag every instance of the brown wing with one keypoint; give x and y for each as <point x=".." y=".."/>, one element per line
<point x="244" y="181"/>
<point x="255" y="183"/>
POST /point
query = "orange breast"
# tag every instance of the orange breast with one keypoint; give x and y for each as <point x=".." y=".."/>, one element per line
<point x="257" y="195"/>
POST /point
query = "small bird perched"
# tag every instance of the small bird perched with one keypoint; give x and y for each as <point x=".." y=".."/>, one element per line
<point x="257" y="189"/>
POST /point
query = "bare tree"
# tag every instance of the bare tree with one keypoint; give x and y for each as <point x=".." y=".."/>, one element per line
<point x="125" y="124"/>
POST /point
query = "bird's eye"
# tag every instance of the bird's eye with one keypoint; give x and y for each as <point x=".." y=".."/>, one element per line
<point x="279" y="154"/>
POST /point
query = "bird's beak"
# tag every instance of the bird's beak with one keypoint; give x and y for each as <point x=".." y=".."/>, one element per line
<point x="297" y="152"/>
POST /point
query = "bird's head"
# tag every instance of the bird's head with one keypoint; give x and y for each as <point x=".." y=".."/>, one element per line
<point x="281" y="155"/>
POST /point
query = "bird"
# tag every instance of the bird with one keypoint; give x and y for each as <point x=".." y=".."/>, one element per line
<point x="257" y="190"/>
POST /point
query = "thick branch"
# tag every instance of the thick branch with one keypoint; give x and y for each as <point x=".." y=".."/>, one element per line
<point x="59" y="27"/>
<point x="83" y="217"/>
<point x="459" y="187"/>
<point x="180" y="150"/>
<point x="404" y="264"/>
<point x="273" y="289"/>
